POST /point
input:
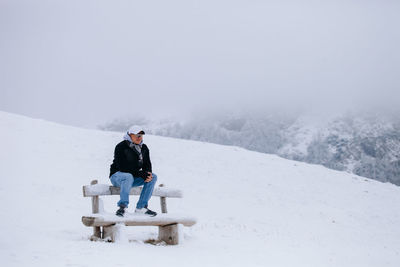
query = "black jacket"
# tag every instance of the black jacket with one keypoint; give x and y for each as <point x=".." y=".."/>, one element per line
<point x="126" y="159"/>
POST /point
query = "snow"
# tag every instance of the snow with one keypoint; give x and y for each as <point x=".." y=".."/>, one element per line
<point x="252" y="209"/>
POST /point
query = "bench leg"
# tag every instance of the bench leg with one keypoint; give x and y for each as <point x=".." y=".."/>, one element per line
<point x="96" y="234"/>
<point x="97" y="231"/>
<point x="109" y="233"/>
<point x="171" y="234"/>
<point x="115" y="233"/>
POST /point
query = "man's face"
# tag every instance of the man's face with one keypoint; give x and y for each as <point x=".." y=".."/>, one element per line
<point x="136" y="138"/>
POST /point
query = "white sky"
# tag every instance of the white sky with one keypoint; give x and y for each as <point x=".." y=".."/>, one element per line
<point x="85" y="62"/>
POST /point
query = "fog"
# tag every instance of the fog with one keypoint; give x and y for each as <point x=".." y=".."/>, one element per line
<point x="86" y="62"/>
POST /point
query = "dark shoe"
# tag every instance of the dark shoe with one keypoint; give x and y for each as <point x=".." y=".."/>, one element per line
<point x="146" y="211"/>
<point x="121" y="211"/>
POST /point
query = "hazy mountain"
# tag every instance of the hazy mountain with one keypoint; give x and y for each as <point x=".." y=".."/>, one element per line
<point x="366" y="144"/>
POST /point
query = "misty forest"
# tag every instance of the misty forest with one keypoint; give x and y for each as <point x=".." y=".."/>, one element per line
<point x="364" y="143"/>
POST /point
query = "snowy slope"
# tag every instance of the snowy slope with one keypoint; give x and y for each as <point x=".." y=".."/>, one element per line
<point x="253" y="209"/>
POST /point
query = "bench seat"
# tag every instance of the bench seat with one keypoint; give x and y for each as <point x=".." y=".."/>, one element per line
<point x="107" y="219"/>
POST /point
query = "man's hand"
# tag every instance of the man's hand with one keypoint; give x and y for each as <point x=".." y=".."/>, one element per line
<point x="149" y="177"/>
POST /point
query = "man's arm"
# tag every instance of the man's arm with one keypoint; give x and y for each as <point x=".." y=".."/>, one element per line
<point x="146" y="161"/>
<point x="147" y="165"/>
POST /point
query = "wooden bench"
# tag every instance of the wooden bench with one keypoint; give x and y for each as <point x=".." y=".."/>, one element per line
<point x="105" y="225"/>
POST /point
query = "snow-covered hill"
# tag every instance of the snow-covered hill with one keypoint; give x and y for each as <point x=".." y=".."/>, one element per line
<point x="253" y="209"/>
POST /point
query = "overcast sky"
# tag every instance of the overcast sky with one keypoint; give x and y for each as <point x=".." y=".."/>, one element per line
<point x="85" y="62"/>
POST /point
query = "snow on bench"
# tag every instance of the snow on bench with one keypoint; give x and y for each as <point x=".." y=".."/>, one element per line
<point x="136" y="220"/>
<point x="105" y="224"/>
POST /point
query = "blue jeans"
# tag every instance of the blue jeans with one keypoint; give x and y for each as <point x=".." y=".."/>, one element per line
<point x="126" y="181"/>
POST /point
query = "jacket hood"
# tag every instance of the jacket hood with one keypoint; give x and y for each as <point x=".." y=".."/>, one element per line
<point x="128" y="138"/>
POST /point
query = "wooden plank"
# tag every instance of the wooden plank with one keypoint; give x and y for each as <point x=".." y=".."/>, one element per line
<point x="107" y="190"/>
<point x="138" y="220"/>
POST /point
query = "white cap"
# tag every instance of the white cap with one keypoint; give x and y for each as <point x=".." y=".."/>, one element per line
<point x="135" y="129"/>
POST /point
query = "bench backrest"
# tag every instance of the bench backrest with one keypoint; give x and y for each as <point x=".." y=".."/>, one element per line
<point x="106" y="190"/>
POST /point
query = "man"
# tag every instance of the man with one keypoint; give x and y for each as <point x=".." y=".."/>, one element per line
<point x="132" y="167"/>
